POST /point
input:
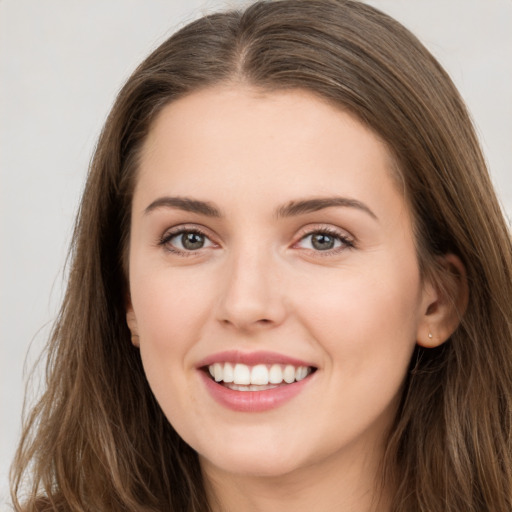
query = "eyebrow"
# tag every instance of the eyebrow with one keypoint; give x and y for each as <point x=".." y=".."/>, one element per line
<point x="294" y="208"/>
<point x="291" y="209"/>
<point x="184" y="203"/>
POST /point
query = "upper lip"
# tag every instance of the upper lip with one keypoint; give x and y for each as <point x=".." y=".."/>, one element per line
<point x="251" y="358"/>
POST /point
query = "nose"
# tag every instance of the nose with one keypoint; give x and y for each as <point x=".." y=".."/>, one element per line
<point x="252" y="292"/>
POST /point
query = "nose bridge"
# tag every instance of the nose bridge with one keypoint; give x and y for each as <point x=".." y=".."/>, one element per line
<point x="251" y="293"/>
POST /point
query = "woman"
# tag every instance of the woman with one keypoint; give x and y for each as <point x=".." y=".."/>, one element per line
<point x="291" y="284"/>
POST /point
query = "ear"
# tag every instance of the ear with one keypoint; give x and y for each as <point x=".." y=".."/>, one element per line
<point x="445" y="298"/>
<point x="131" y="321"/>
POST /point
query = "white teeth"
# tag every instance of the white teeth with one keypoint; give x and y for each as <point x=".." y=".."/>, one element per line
<point x="289" y="374"/>
<point x="256" y="377"/>
<point x="259" y="375"/>
<point x="301" y="373"/>
<point x="217" y="372"/>
<point x="275" y="374"/>
<point x="229" y="375"/>
<point x="242" y="374"/>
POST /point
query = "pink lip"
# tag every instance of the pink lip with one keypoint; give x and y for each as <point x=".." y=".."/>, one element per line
<point x="253" y="401"/>
<point x="250" y="358"/>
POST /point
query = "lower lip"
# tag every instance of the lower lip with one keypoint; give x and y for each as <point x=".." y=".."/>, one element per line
<point x="253" y="401"/>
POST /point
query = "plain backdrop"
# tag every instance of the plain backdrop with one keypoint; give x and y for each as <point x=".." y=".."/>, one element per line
<point x="61" y="65"/>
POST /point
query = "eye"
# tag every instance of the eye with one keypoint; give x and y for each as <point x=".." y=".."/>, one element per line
<point x="325" y="240"/>
<point x="186" y="240"/>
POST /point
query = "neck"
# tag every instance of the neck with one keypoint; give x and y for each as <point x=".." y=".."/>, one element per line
<point x="352" y="486"/>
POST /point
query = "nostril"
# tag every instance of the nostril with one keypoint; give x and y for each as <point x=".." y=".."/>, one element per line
<point x="261" y="322"/>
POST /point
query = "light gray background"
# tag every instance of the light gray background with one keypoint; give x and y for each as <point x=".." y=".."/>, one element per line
<point x="61" y="64"/>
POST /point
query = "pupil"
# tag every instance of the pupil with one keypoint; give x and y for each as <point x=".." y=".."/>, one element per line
<point x="322" y="242"/>
<point x="192" y="241"/>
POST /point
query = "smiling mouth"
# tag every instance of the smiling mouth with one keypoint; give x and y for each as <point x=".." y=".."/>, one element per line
<point x="260" y="377"/>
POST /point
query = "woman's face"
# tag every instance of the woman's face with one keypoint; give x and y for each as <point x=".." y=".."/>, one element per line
<point x="271" y="246"/>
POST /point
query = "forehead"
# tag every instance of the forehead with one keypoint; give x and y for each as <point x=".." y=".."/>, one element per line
<point x="291" y="140"/>
<point x="262" y="110"/>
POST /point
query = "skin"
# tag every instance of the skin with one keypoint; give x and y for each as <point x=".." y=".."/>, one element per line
<point x="354" y="312"/>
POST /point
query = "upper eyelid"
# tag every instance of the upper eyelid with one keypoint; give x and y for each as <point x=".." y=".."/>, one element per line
<point x="182" y="228"/>
<point x="324" y="228"/>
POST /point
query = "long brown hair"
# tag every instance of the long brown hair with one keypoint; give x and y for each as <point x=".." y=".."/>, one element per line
<point x="97" y="440"/>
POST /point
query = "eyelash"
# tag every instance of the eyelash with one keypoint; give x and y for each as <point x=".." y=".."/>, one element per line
<point x="346" y="241"/>
<point x="169" y="235"/>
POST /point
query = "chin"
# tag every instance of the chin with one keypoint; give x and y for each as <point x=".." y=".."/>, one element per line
<point x="253" y="460"/>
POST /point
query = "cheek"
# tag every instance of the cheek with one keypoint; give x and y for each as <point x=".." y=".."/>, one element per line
<point x="171" y="311"/>
<point x="169" y="306"/>
<point x="366" y="321"/>
<point x="366" y="327"/>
